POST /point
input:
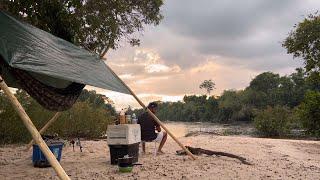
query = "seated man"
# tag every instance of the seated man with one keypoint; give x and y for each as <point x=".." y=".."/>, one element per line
<point x="148" y="126"/>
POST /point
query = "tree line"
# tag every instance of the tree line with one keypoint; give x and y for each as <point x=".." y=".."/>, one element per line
<point x="296" y="96"/>
<point x="276" y="104"/>
<point x="88" y="118"/>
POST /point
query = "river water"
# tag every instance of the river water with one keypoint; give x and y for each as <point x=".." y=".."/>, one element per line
<point x="181" y="129"/>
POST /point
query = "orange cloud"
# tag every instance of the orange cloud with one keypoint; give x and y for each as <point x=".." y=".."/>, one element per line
<point x="152" y="79"/>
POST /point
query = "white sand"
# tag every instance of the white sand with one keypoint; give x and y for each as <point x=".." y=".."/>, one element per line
<point x="271" y="158"/>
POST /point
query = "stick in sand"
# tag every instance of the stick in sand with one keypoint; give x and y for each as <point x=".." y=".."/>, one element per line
<point x="44" y="128"/>
<point x="33" y="131"/>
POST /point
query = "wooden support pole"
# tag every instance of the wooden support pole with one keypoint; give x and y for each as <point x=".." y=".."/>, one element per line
<point x="44" y="128"/>
<point x="154" y="116"/>
<point x="34" y="132"/>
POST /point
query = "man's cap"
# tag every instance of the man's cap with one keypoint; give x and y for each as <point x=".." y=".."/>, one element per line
<point x="152" y="105"/>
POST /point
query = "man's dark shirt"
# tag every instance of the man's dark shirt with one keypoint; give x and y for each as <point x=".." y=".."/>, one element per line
<point x="148" y="126"/>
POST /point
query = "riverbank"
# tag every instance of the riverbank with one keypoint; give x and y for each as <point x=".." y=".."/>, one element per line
<point x="270" y="159"/>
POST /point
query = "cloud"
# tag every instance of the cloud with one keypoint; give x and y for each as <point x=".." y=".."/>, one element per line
<point x="248" y="31"/>
<point x="126" y="76"/>
<point x="187" y="81"/>
<point x="227" y="41"/>
<point x="223" y="20"/>
<point x="121" y="101"/>
<point x="145" y="56"/>
<point x="151" y="68"/>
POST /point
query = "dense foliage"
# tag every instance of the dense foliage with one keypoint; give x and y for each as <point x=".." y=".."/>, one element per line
<point x="270" y="101"/>
<point x="309" y="112"/>
<point x="96" y="25"/>
<point x="88" y="118"/>
<point x="304" y="42"/>
<point x="273" y="121"/>
<point x="266" y="89"/>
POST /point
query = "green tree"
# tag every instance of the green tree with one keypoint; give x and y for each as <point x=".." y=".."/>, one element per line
<point x="265" y="82"/>
<point x="304" y="42"/>
<point x="254" y="98"/>
<point x="309" y="112"/>
<point x="208" y="85"/>
<point x="313" y="81"/>
<point x="96" y="25"/>
<point x="229" y="105"/>
<point x="195" y="99"/>
<point x="96" y="100"/>
<point x="273" y="121"/>
<point x="82" y="120"/>
<point x="211" y="109"/>
<point x="300" y="86"/>
<point x="86" y="119"/>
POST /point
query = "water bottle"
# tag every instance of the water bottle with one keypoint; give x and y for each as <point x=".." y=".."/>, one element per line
<point x="134" y="119"/>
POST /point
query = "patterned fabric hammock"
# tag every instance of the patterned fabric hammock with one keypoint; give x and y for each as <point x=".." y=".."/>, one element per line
<point x="51" y="98"/>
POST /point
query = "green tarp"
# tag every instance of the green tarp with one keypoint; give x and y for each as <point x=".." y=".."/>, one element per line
<point x="50" y="59"/>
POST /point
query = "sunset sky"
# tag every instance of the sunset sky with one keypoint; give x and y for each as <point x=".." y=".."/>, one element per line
<point x="227" y="41"/>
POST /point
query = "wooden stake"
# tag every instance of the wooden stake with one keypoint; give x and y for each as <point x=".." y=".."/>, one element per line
<point x="154" y="116"/>
<point x="34" y="132"/>
<point x="44" y="128"/>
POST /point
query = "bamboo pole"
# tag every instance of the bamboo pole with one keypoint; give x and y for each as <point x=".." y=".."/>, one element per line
<point x="44" y="128"/>
<point x="33" y="131"/>
<point x="153" y="116"/>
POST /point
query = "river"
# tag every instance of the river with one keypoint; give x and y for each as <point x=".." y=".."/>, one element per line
<point x="181" y="129"/>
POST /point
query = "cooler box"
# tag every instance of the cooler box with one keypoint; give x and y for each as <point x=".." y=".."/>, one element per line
<point x="123" y="134"/>
<point x="123" y="139"/>
<point x="38" y="158"/>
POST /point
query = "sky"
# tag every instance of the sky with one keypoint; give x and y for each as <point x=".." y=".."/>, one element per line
<point x="227" y="41"/>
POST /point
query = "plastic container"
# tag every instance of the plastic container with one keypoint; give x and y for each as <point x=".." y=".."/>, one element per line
<point x="134" y="119"/>
<point x="119" y="151"/>
<point x="128" y="119"/>
<point x="38" y="158"/>
<point x="122" y="117"/>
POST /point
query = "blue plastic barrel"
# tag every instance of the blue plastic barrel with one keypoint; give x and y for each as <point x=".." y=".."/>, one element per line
<point x="38" y="158"/>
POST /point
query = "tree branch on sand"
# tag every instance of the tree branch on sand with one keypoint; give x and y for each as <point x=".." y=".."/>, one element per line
<point x="199" y="151"/>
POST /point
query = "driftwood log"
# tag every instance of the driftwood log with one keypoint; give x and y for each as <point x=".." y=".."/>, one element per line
<point x="199" y="151"/>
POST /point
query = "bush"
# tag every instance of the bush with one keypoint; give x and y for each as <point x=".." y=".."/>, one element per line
<point x="84" y="119"/>
<point x="309" y="113"/>
<point x="12" y="129"/>
<point x="273" y="122"/>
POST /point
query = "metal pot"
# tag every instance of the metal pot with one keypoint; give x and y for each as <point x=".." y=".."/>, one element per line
<point x="126" y="164"/>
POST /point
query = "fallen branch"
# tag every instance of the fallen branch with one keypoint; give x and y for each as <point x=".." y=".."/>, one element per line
<point x="197" y="133"/>
<point x="199" y="151"/>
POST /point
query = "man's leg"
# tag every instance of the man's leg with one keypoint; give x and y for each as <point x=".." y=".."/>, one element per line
<point x="143" y="147"/>
<point x="164" y="139"/>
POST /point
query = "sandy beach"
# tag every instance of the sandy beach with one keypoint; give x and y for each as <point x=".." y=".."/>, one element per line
<point x="270" y="158"/>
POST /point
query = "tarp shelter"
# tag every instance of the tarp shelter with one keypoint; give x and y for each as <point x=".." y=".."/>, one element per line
<point x="50" y="60"/>
<point x="30" y="58"/>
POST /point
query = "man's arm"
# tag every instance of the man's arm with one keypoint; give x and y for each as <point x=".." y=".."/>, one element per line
<point x="139" y="119"/>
